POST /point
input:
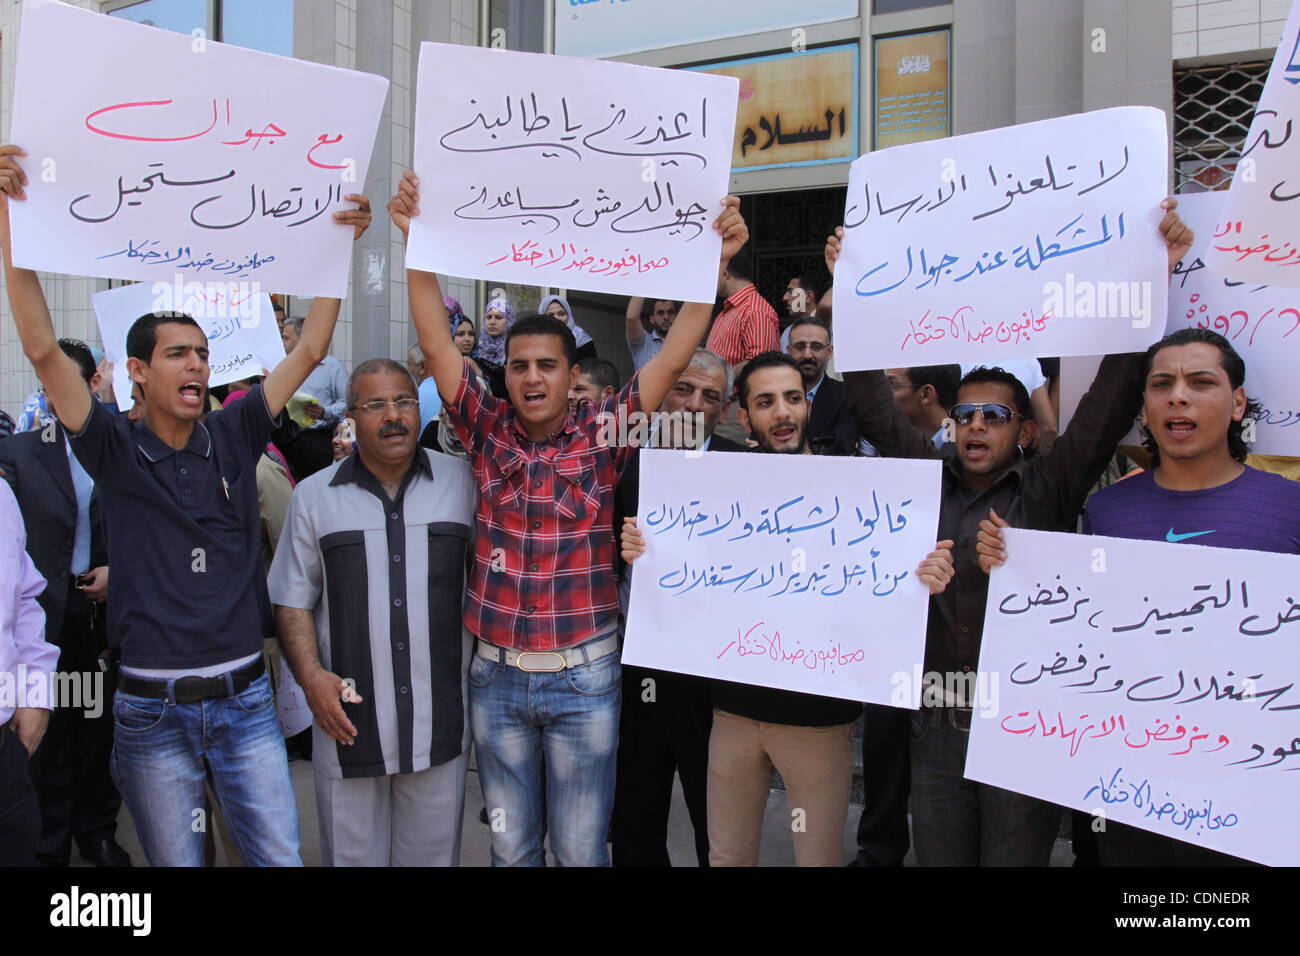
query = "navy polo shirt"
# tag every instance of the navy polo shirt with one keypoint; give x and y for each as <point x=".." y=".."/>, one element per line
<point x="187" y="588"/>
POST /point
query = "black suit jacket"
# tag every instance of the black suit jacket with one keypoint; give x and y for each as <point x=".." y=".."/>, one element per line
<point x="41" y="478"/>
<point x="832" y="427"/>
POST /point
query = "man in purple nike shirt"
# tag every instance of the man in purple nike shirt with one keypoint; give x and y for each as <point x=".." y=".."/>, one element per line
<point x="1198" y="491"/>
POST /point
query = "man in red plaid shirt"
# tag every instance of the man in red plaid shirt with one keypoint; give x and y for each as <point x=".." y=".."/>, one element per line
<point x="544" y="684"/>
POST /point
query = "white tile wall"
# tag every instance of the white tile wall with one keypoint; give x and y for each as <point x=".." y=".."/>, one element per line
<point x="1208" y="27"/>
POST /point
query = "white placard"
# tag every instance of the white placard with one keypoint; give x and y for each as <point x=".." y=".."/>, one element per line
<point x="598" y="28"/>
<point x="578" y="174"/>
<point x="1147" y="681"/>
<point x="1257" y="238"/>
<point x="788" y="571"/>
<point x="243" y="337"/>
<point x="157" y="156"/>
<point x="1262" y="323"/>
<point x="1033" y="240"/>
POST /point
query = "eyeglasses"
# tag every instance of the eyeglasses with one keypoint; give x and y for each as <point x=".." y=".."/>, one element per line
<point x="817" y="348"/>
<point x="993" y="413"/>
<point x="378" y="406"/>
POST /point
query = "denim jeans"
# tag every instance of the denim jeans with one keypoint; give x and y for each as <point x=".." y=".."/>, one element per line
<point x="162" y="753"/>
<point x="958" y="822"/>
<point x="547" y="744"/>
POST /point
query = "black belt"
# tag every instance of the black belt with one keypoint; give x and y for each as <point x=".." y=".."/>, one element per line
<point x="191" y="690"/>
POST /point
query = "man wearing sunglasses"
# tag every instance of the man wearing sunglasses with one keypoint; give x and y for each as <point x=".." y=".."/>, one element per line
<point x="368" y="582"/>
<point x="955" y="821"/>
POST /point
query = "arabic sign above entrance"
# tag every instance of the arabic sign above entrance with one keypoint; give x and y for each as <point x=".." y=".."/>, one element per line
<point x="796" y="109"/>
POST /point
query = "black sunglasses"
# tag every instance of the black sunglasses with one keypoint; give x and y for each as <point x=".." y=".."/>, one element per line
<point x="993" y="413"/>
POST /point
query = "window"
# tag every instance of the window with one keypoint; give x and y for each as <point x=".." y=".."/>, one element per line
<point x="265" y="25"/>
<point x="897" y="6"/>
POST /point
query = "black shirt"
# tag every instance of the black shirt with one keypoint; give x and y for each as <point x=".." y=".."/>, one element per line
<point x="1045" y="494"/>
<point x="187" y="587"/>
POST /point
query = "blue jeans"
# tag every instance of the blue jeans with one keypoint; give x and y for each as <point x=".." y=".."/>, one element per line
<point x="958" y="822"/>
<point x="564" y="726"/>
<point x="162" y="753"/>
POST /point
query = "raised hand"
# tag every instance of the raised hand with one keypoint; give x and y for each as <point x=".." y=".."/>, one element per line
<point x="405" y="203"/>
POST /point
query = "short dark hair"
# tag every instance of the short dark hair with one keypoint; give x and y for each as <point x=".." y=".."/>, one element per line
<point x="372" y="367"/>
<point x="759" y="362"/>
<point x="80" y="353"/>
<point x="143" y="334"/>
<point x="942" y="378"/>
<point x="277" y="307"/>
<point x="601" y="371"/>
<point x="1231" y="362"/>
<point x="1000" y="376"/>
<point x="741" y="265"/>
<point x="808" y="286"/>
<point x="545" y="325"/>
<point x="810" y="320"/>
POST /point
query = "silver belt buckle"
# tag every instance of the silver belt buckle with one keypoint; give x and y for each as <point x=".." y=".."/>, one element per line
<point x="523" y="664"/>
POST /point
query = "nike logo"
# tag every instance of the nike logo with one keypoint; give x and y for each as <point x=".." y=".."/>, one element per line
<point x="1175" y="538"/>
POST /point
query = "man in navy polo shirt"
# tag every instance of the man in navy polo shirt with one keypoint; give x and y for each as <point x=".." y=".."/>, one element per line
<point x="187" y="602"/>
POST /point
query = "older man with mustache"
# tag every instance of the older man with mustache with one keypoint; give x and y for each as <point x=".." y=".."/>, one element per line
<point x="368" y="583"/>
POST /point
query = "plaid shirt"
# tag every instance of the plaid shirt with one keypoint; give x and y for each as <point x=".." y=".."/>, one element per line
<point x="746" y="326"/>
<point x="543" y="575"/>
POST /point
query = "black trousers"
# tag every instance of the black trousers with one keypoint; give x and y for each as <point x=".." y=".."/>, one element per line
<point x="664" y="728"/>
<point x="20" y="815"/>
<point x="887" y="780"/>
<point x="70" y="768"/>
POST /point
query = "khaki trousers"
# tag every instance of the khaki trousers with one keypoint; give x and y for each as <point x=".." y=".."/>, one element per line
<point x="816" y="764"/>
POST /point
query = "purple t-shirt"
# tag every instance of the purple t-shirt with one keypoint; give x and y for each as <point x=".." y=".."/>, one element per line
<point x="1256" y="511"/>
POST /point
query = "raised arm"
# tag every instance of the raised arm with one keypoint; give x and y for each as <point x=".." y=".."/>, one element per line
<point x="635" y="330"/>
<point x="432" y="327"/>
<point x="661" y="373"/>
<point x="317" y="329"/>
<point x="57" y="372"/>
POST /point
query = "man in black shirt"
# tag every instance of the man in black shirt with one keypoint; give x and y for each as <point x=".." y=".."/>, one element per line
<point x="955" y="821"/>
<point x="187" y="605"/>
<point x="808" y="738"/>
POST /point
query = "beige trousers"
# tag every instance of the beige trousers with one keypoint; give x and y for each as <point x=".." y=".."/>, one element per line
<point x="816" y="764"/>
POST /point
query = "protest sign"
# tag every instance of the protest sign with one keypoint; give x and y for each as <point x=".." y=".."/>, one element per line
<point x="1033" y="240"/>
<point x="578" y="174"/>
<point x="162" y="157"/>
<point x="243" y="337"/>
<point x="1257" y="238"/>
<point x="1159" y="699"/>
<point x="1261" y="322"/>
<point x="804" y="580"/>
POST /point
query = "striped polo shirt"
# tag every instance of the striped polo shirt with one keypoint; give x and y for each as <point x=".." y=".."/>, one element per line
<point x="746" y="326"/>
<point x="385" y="582"/>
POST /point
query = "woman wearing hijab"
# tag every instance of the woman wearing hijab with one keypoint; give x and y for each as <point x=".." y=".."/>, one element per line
<point x="558" y="308"/>
<point x="490" y="353"/>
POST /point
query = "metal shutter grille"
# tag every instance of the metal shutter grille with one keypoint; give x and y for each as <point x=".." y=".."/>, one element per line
<point x="1213" y="107"/>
